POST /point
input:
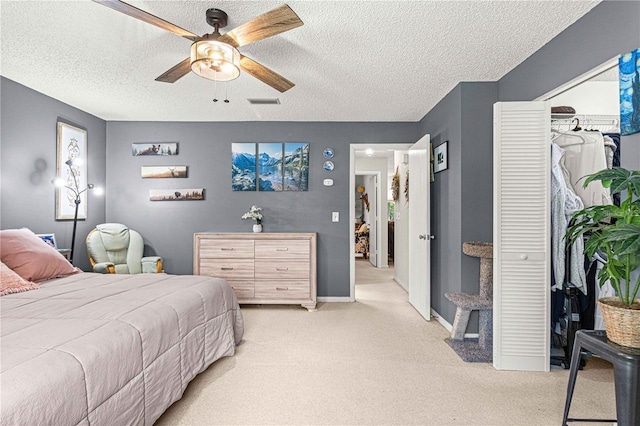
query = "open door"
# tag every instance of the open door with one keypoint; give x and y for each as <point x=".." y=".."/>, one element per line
<point x="521" y="235"/>
<point x="419" y="228"/>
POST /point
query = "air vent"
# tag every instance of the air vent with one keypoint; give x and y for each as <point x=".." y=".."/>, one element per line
<point x="264" y="101"/>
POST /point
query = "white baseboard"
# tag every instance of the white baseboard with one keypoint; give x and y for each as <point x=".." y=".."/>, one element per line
<point x="449" y="327"/>
<point x="335" y="299"/>
<point x="401" y="284"/>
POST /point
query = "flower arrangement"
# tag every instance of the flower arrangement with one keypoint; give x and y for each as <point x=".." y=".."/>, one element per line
<point x="254" y="213"/>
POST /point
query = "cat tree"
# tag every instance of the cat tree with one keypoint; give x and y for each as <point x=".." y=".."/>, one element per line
<point x="480" y="349"/>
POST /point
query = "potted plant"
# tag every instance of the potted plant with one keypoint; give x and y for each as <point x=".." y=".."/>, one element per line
<point x="615" y="231"/>
<point x="254" y="213"/>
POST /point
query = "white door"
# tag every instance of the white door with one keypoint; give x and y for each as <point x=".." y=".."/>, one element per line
<point x="419" y="228"/>
<point x="372" y="190"/>
<point x="521" y="235"/>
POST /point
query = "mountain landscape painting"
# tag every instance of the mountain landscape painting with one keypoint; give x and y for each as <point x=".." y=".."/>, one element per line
<point x="296" y="166"/>
<point x="243" y="166"/>
<point x="270" y="167"/>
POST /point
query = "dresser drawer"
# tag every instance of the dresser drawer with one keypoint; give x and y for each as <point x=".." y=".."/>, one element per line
<point x="276" y="249"/>
<point x="282" y="269"/>
<point x="243" y="289"/>
<point x="226" y="249"/>
<point x="279" y="290"/>
<point x="232" y="269"/>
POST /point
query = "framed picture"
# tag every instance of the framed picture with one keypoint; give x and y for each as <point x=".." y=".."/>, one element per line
<point x="629" y="71"/>
<point x="243" y="166"/>
<point x="270" y="166"/>
<point x="72" y="145"/>
<point x="158" y="172"/>
<point x="176" y="194"/>
<point x="296" y="166"/>
<point x="170" y="148"/>
<point x="440" y="157"/>
<point x="49" y="239"/>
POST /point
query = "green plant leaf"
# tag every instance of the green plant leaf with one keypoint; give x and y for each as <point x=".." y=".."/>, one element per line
<point x="618" y="179"/>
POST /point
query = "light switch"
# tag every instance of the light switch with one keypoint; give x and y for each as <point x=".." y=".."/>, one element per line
<point x="335" y="217"/>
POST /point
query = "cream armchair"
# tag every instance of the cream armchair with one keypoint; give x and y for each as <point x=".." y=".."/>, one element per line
<point x="113" y="248"/>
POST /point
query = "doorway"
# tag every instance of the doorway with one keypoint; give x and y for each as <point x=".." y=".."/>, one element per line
<point x="385" y="157"/>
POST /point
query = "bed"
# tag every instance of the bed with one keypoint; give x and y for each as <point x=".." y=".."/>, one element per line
<point x="93" y="349"/>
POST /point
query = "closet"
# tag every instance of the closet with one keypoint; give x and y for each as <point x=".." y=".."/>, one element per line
<point x="522" y="228"/>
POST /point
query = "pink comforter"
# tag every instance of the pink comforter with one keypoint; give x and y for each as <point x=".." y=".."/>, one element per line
<point x="110" y="349"/>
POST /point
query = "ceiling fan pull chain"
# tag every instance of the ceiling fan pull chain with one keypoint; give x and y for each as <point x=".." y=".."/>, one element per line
<point x="226" y="96"/>
<point x="215" y="90"/>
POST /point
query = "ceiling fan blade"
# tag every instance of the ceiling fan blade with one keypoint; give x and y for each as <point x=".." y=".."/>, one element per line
<point x="177" y="72"/>
<point x="264" y="74"/>
<point x="143" y="16"/>
<point x="266" y="25"/>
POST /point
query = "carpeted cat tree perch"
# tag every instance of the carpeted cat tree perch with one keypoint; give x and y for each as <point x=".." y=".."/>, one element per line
<point x="480" y="349"/>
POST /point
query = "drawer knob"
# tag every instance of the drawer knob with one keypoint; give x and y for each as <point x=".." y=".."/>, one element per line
<point x="282" y="288"/>
<point x="283" y="249"/>
<point x="226" y="248"/>
<point x="282" y="269"/>
<point x="227" y="268"/>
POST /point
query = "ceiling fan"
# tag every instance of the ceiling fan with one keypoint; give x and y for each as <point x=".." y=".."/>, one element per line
<point x="215" y="56"/>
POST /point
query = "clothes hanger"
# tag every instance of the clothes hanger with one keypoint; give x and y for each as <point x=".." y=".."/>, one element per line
<point x="577" y="128"/>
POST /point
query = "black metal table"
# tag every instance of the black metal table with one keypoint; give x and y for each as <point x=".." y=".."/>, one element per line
<point x="626" y="371"/>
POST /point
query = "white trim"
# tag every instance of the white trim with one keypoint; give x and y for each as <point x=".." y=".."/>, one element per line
<point x="334" y="299"/>
<point x="613" y="62"/>
<point x="443" y="322"/>
<point x="401" y="284"/>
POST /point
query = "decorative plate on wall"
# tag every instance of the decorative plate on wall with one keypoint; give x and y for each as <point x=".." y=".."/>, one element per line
<point x="329" y="166"/>
<point x="328" y="153"/>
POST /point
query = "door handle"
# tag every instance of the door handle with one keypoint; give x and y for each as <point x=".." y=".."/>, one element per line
<point x="427" y="236"/>
<point x="422" y="236"/>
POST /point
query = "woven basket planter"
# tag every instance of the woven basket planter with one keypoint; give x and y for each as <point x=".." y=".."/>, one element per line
<point x="622" y="324"/>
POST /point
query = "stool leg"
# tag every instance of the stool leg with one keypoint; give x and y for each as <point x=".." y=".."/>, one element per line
<point x="573" y="374"/>
<point x="627" y="385"/>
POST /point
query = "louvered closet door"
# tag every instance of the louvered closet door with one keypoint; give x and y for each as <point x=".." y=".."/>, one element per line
<point x="521" y="236"/>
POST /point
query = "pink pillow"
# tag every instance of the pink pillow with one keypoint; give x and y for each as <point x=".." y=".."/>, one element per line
<point x="10" y="282"/>
<point x="31" y="258"/>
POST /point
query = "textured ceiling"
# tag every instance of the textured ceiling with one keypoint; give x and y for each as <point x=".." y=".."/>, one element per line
<point x="351" y="61"/>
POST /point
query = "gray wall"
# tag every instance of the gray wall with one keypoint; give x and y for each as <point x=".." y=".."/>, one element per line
<point x="168" y="227"/>
<point x="611" y="28"/>
<point x="461" y="202"/>
<point x="461" y="196"/>
<point x="28" y="144"/>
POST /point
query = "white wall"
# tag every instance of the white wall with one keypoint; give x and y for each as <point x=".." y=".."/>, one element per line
<point x="401" y="240"/>
<point x="591" y="97"/>
<point x="378" y="164"/>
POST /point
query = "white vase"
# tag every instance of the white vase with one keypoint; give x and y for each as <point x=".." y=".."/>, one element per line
<point x="257" y="227"/>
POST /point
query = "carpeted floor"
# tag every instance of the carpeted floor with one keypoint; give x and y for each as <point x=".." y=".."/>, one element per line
<point x="376" y="361"/>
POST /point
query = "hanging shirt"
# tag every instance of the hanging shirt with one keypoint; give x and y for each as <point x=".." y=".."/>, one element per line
<point x="564" y="203"/>
<point x="584" y="155"/>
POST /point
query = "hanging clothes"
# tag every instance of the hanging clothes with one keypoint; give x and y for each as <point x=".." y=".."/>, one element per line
<point x="564" y="203"/>
<point x="584" y="155"/>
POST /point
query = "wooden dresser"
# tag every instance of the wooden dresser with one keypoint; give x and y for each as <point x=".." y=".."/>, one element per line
<point x="274" y="268"/>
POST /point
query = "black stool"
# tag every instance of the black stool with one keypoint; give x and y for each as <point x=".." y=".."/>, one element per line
<point x="626" y="371"/>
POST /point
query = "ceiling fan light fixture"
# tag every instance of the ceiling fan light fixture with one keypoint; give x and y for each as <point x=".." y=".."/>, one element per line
<point x="215" y="60"/>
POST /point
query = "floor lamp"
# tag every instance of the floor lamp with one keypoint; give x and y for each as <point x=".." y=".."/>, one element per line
<point x="76" y="191"/>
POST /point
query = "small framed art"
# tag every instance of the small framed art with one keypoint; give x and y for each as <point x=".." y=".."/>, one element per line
<point x="49" y="239"/>
<point x="440" y="157"/>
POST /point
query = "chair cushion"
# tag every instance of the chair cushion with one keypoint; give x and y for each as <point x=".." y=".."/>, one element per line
<point x="115" y="236"/>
